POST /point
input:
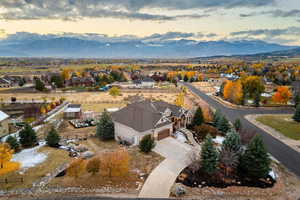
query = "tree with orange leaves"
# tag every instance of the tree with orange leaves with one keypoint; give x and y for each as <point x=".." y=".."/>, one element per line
<point x="66" y="74"/>
<point x="76" y="168"/>
<point x="233" y="91"/>
<point x="6" y="165"/>
<point x="115" y="163"/>
<point x="282" y="95"/>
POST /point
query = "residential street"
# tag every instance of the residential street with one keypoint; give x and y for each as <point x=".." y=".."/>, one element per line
<point x="286" y="155"/>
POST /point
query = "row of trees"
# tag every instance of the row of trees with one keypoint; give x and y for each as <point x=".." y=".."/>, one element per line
<point x="253" y="162"/>
<point x="247" y="87"/>
<point x="111" y="164"/>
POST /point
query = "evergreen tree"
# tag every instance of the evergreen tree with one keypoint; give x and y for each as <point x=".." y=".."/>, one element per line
<point x="53" y="138"/>
<point x="198" y="118"/>
<point x="223" y="125"/>
<point x="58" y="81"/>
<point x="296" y="116"/>
<point x="297" y="100"/>
<point x="185" y="78"/>
<point x="39" y="85"/>
<point x="209" y="156"/>
<point x="13" y="143"/>
<point x="28" y="136"/>
<point x="237" y="124"/>
<point x="216" y="118"/>
<point x="105" y="127"/>
<point x="147" y="144"/>
<point x="255" y="162"/>
<point x="232" y="142"/>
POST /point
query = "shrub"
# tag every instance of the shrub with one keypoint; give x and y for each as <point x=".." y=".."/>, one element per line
<point x="147" y="143"/>
<point x="105" y="127"/>
<point x="209" y="156"/>
<point x="13" y="143"/>
<point x="255" y="162"/>
<point x="93" y="166"/>
<point x="76" y="168"/>
<point x="28" y="136"/>
<point x="202" y="131"/>
<point x="53" y="138"/>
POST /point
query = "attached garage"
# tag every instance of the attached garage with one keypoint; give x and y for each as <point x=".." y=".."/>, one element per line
<point x="163" y="134"/>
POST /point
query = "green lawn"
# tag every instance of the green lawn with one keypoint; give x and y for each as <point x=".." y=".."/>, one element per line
<point x="283" y="124"/>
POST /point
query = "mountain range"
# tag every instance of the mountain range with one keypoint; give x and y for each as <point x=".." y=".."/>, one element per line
<point x="72" y="47"/>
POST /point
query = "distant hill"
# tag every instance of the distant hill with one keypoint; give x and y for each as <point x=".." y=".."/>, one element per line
<point x="72" y="47"/>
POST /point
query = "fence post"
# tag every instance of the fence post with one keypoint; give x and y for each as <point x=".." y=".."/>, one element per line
<point x="6" y="180"/>
<point x="22" y="180"/>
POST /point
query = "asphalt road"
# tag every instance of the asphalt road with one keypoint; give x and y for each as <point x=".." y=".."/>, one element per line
<point x="283" y="153"/>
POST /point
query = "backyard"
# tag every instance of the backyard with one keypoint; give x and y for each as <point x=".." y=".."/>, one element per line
<point x="283" y="124"/>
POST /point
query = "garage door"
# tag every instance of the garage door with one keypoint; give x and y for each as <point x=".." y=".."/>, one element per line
<point x="163" y="134"/>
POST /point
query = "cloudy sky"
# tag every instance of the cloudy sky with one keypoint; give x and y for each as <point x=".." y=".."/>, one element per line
<point x="269" y="20"/>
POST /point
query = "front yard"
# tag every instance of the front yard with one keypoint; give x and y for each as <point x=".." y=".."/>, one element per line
<point x="140" y="166"/>
<point x="282" y="123"/>
<point x="55" y="159"/>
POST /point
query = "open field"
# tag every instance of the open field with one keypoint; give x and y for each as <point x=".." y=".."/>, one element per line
<point x="55" y="159"/>
<point x="88" y="97"/>
<point x="283" y="124"/>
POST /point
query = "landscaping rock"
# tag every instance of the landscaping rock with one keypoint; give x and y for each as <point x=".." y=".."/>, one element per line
<point x="178" y="190"/>
<point x="87" y="154"/>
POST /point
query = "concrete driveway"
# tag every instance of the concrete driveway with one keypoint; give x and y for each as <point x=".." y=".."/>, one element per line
<point x="161" y="179"/>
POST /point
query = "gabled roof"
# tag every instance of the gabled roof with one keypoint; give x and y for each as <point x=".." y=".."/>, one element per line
<point x="144" y="115"/>
<point x="3" y="116"/>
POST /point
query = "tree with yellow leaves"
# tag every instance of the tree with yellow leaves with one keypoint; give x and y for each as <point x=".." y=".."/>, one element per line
<point x="76" y="168"/>
<point x="5" y="154"/>
<point x="233" y="91"/>
<point x="179" y="101"/>
<point x="66" y="74"/>
<point x="115" y="163"/>
<point x="114" y="92"/>
<point x="6" y="165"/>
<point x="282" y="95"/>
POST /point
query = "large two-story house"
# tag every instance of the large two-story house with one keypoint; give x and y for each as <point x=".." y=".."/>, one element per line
<point x="157" y="118"/>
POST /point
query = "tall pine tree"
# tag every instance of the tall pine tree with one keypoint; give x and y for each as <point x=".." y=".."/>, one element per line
<point x="53" y="138"/>
<point x="255" y="162"/>
<point x="209" y="156"/>
<point x="216" y="118"/>
<point x="232" y="142"/>
<point x="105" y="127"/>
<point x="223" y="125"/>
<point x="198" y="118"/>
<point x="28" y="136"/>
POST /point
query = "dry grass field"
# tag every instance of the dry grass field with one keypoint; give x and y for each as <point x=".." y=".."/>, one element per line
<point x="88" y="97"/>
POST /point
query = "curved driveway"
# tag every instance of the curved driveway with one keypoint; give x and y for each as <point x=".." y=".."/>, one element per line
<point x="160" y="181"/>
<point x="286" y="155"/>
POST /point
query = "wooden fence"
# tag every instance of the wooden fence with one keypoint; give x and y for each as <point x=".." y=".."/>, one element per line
<point x="12" y="180"/>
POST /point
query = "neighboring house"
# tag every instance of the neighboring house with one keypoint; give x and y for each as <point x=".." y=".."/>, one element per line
<point x="157" y="118"/>
<point x="73" y="111"/>
<point x="81" y="81"/>
<point x="4" y="129"/>
<point x="147" y="82"/>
